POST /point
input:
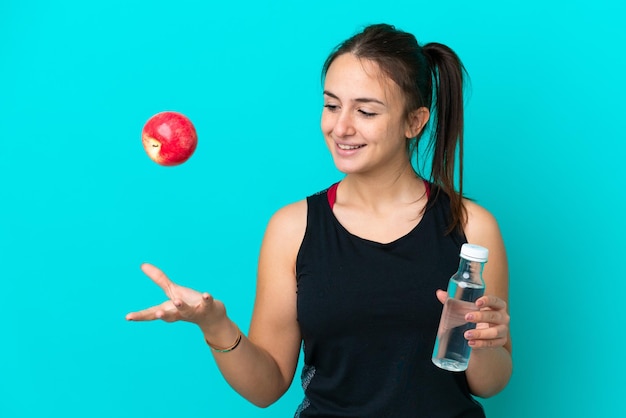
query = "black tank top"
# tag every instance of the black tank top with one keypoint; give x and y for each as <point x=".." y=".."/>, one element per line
<point x="369" y="315"/>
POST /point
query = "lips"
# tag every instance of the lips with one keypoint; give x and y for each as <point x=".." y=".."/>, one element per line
<point x="347" y="147"/>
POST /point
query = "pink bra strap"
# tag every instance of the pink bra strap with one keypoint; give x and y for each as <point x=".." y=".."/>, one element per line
<point x="427" y="185"/>
<point x="332" y="195"/>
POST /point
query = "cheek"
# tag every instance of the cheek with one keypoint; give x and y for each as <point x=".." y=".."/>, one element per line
<point x="326" y="124"/>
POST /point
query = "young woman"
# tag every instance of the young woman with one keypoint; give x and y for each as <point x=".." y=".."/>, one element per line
<point x="354" y="274"/>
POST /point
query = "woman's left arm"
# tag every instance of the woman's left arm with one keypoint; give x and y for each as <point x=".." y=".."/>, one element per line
<point x="490" y="365"/>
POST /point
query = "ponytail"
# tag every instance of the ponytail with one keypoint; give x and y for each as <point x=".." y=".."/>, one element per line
<point x="447" y="127"/>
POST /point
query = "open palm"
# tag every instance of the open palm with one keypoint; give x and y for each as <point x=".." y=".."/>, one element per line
<point x="183" y="304"/>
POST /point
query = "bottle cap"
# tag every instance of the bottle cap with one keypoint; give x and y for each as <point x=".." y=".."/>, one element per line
<point x="473" y="252"/>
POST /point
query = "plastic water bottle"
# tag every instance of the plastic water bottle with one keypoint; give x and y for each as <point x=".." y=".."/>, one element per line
<point x="452" y="351"/>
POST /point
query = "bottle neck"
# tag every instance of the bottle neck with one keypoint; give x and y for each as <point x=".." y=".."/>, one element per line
<point x="471" y="271"/>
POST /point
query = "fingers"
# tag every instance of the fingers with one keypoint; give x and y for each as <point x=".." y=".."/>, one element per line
<point x="487" y="338"/>
<point x="492" y="323"/>
<point x="172" y="310"/>
<point x="185" y="310"/>
<point x="490" y="301"/>
<point x="158" y="277"/>
<point x="165" y="311"/>
<point x="194" y="312"/>
<point x="492" y="311"/>
<point x="488" y="316"/>
<point x="183" y="304"/>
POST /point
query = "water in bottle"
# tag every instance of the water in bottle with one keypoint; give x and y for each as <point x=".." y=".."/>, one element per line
<point x="452" y="351"/>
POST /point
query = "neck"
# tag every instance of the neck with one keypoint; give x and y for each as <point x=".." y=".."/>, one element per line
<point x="380" y="191"/>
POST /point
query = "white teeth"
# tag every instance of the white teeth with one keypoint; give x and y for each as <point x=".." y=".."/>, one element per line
<point x="348" y="147"/>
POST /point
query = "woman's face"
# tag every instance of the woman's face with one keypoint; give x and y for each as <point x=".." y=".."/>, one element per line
<point x="364" y="121"/>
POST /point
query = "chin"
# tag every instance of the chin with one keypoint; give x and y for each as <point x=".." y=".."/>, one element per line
<point x="347" y="168"/>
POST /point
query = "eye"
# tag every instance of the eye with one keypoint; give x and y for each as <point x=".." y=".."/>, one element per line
<point x="331" y="107"/>
<point x="367" y="114"/>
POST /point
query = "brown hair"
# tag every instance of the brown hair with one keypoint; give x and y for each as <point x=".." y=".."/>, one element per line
<point x="430" y="76"/>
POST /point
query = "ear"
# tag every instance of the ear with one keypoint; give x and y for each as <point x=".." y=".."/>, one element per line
<point x="416" y="121"/>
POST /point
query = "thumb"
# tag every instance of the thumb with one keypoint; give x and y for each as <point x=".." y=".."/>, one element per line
<point x="442" y="295"/>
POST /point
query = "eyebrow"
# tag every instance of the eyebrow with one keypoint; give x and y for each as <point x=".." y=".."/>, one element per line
<point x="358" y="100"/>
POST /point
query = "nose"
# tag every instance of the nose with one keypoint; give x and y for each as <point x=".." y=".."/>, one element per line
<point x="344" y="125"/>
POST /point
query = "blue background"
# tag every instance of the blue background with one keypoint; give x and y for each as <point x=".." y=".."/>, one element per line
<point x="81" y="205"/>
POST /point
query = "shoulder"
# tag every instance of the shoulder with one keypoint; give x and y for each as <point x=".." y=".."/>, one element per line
<point x="480" y="224"/>
<point x="288" y="224"/>
<point x="479" y="212"/>
<point x="291" y="215"/>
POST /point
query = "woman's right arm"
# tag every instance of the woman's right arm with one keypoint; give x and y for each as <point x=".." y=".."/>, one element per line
<point x="262" y="366"/>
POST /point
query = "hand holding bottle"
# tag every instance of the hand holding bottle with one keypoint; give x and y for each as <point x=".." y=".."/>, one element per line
<point x="465" y="288"/>
<point x="492" y="321"/>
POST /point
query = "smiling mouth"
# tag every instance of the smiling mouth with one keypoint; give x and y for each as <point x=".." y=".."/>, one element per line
<point x="349" y="147"/>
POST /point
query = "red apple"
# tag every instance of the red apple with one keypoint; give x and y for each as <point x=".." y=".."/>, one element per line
<point x="169" y="138"/>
